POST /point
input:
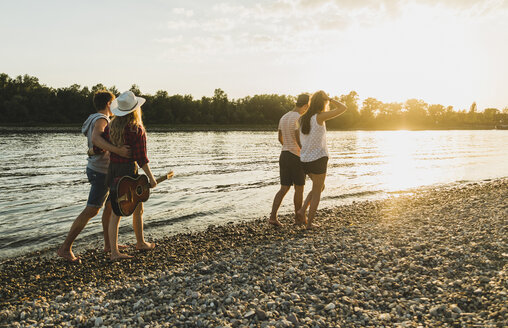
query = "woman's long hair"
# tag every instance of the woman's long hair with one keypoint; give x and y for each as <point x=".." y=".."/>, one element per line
<point x="318" y="103"/>
<point x="118" y="124"/>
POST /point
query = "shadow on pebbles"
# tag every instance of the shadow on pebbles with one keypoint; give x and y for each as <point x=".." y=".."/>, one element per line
<point x="433" y="258"/>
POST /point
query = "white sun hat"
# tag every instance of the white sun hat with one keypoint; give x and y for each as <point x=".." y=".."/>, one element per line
<point x="126" y="103"/>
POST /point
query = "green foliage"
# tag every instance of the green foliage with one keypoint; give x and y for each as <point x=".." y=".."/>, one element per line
<point x="371" y="107"/>
<point x="23" y="100"/>
<point x="351" y="117"/>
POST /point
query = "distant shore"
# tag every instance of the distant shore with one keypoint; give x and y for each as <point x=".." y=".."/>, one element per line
<point x="150" y="128"/>
<point x="433" y="258"/>
<point x="202" y="128"/>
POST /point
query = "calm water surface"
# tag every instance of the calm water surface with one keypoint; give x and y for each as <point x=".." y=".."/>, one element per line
<point x="223" y="177"/>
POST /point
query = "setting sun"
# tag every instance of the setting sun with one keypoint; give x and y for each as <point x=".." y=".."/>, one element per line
<point x="450" y="52"/>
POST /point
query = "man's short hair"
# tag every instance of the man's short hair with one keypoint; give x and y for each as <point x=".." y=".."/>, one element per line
<point x="302" y="100"/>
<point x="101" y="99"/>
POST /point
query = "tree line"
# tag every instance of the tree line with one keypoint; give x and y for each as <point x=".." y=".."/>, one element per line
<point x="25" y="101"/>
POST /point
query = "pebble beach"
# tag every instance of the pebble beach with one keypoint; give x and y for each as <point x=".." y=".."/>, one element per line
<point x="432" y="258"/>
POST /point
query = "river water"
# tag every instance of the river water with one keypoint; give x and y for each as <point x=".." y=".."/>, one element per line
<point x="224" y="177"/>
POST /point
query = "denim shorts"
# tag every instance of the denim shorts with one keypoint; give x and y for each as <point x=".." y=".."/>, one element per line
<point x="99" y="189"/>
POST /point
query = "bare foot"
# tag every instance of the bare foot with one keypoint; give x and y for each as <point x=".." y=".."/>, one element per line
<point x="120" y="256"/>
<point x="145" y="246"/>
<point x="108" y="249"/>
<point x="67" y="255"/>
<point x="300" y="218"/>
<point x="312" y="226"/>
<point x="274" y="222"/>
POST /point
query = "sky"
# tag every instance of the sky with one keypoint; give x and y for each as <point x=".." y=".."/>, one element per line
<point x="450" y="52"/>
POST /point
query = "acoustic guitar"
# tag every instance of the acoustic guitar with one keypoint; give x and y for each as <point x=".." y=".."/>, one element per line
<point x="127" y="192"/>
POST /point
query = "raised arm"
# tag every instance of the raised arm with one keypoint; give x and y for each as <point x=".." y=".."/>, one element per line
<point x="325" y="116"/>
<point x="100" y="142"/>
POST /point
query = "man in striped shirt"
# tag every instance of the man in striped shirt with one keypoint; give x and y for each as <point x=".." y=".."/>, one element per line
<point x="290" y="169"/>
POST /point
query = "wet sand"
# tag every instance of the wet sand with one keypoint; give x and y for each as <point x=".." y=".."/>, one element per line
<point x="433" y="258"/>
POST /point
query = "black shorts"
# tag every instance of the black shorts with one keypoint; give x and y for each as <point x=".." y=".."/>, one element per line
<point x="315" y="167"/>
<point x="291" y="172"/>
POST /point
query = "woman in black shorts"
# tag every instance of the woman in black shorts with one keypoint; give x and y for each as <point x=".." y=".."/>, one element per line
<point x="314" y="152"/>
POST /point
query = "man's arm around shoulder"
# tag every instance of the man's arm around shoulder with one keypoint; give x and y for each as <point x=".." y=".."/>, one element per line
<point x="100" y="142"/>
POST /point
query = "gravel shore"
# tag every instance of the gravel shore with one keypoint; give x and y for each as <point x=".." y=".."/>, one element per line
<point x="436" y="258"/>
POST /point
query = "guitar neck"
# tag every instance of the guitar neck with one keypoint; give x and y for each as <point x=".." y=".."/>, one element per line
<point x="167" y="176"/>
<point x="161" y="178"/>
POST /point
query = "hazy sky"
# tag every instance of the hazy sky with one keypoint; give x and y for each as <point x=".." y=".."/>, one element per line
<point x="449" y="52"/>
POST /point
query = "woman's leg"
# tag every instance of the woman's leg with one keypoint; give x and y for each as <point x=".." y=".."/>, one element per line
<point x="137" y="223"/>
<point x="113" y="238"/>
<point x="106" y="217"/>
<point x="300" y="214"/>
<point x="318" y="182"/>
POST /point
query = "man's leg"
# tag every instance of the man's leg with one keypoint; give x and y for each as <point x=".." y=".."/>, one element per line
<point x="96" y="197"/>
<point x="279" y="196"/>
<point x="137" y="224"/>
<point x="79" y="223"/>
<point x="286" y="181"/>
<point x="106" y="217"/>
<point x="299" y="177"/>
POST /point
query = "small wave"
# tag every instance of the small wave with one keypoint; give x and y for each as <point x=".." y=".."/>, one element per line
<point x="12" y="242"/>
<point x="178" y="219"/>
<point x="355" y="194"/>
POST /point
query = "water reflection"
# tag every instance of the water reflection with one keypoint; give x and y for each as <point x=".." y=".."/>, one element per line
<point x="399" y="169"/>
<point x="224" y="176"/>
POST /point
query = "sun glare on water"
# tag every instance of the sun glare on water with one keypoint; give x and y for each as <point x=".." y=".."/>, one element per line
<point x="407" y="162"/>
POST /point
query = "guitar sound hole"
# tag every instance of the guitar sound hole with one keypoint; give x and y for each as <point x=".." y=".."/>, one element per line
<point x="139" y="190"/>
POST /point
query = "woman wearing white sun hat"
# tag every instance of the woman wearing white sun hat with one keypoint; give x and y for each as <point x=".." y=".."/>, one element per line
<point x="127" y="129"/>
